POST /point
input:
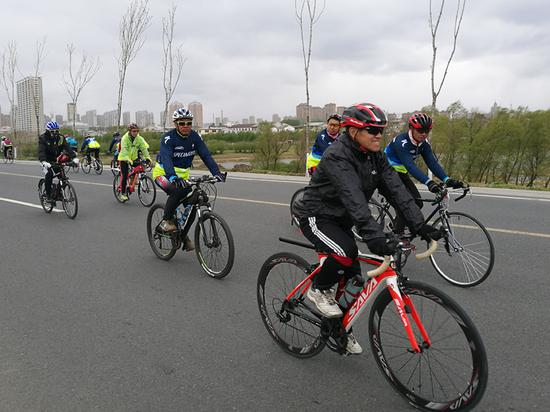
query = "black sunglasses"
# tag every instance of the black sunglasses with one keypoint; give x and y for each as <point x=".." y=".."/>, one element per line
<point x="184" y="123"/>
<point x="424" y="131"/>
<point x="374" y="130"/>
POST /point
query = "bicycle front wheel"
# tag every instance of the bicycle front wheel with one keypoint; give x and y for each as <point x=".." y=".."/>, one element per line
<point x="116" y="189"/>
<point x="214" y="245"/>
<point x="147" y="192"/>
<point x="450" y="373"/>
<point x="164" y="245"/>
<point x="291" y="325"/>
<point x="98" y="167"/>
<point x="470" y="256"/>
<point x="295" y="197"/>
<point x="70" y="201"/>
<point x="47" y="206"/>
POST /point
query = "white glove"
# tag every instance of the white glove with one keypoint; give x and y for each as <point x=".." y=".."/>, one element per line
<point x="45" y="167"/>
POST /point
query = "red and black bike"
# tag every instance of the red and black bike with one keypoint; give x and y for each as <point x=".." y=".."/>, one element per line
<point x="147" y="192"/>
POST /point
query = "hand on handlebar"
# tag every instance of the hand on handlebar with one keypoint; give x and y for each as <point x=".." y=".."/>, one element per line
<point x="428" y="233"/>
<point x="179" y="182"/>
<point x="221" y="177"/>
<point x="455" y="184"/>
<point x="435" y="188"/>
<point x="383" y="246"/>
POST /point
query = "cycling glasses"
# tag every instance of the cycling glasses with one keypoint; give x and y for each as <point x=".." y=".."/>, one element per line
<point x="374" y="130"/>
<point x="184" y="123"/>
<point x="423" y="131"/>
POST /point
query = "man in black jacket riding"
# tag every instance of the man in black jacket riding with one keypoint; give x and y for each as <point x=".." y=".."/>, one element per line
<point x="336" y="199"/>
<point x="50" y="145"/>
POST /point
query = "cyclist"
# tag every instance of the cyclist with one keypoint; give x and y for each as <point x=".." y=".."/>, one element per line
<point x="178" y="147"/>
<point x="50" y="145"/>
<point x="323" y="140"/>
<point x="115" y="141"/>
<point x="402" y="152"/>
<point x="132" y="145"/>
<point x="351" y="169"/>
<point x="73" y="144"/>
<point x="5" y="146"/>
<point x="92" y="146"/>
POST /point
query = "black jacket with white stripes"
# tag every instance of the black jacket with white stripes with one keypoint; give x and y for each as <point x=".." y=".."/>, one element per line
<point x="345" y="180"/>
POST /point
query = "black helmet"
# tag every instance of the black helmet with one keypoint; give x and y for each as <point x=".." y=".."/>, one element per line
<point x="334" y="116"/>
<point x="363" y="115"/>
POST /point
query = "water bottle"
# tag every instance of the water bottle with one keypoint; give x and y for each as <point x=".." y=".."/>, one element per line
<point x="183" y="214"/>
<point x="352" y="289"/>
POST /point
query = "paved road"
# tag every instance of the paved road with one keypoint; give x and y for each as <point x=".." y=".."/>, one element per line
<point x="91" y="320"/>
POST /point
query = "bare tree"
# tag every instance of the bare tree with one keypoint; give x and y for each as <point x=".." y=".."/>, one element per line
<point x="36" y="97"/>
<point x="172" y="60"/>
<point x="461" y="4"/>
<point x="79" y="77"/>
<point x="307" y="14"/>
<point x="9" y="64"/>
<point x="132" y="28"/>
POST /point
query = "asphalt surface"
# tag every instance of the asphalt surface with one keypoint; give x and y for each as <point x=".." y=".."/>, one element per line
<point x="90" y="319"/>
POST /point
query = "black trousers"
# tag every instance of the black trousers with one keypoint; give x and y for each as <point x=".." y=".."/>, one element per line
<point x="49" y="178"/>
<point x="411" y="187"/>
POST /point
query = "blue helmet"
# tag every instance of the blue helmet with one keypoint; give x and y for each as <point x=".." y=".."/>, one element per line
<point x="52" y="126"/>
<point x="182" y="113"/>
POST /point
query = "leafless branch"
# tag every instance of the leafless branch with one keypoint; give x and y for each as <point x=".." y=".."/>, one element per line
<point x="9" y="65"/>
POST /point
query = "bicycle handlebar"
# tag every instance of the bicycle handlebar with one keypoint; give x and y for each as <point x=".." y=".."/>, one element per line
<point x="429" y="252"/>
<point x="202" y="179"/>
<point x="387" y="260"/>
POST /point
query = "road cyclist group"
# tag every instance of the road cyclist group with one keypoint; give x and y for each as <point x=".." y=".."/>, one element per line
<point x="423" y="342"/>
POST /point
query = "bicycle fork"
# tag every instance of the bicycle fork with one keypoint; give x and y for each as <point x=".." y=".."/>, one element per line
<point x="405" y="307"/>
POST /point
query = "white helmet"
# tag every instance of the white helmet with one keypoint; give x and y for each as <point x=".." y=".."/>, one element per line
<point x="182" y="113"/>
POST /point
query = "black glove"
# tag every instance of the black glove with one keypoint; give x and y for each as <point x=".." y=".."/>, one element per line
<point x="220" y="177"/>
<point x="383" y="246"/>
<point x="455" y="184"/>
<point x="428" y="232"/>
<point x="434" y="187"/>
<point x="179" y="182"/>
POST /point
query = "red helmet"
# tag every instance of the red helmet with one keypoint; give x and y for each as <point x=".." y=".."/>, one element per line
<point x="63" y="158"/>
<point x="363" y="115"/>
<point x="420" y="121"/>
<point x="133" y="126"/>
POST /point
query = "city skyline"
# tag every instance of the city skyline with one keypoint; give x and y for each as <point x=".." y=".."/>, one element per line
<point x="244" y="64"/>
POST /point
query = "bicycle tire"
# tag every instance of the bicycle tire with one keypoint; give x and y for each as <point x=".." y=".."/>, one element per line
<point x="69" y="198"/>
<point x="98" y="168"/>
<point x="381" y="215"/>
<point x="86" y="166"/>
<point x="10" y="158"/>
<point x="48" y="207"/>
<point x="472" y="251"/>
<point x="296" y="335"/>
<point x="146" y="186"/>
<point x="420" y="377"/>
<point x="209" y="245"/>
<point x="164" y="253"/>
<point x="116" y="192"/>
<point x="295" y="197"/>
<point x="114" y="168"/>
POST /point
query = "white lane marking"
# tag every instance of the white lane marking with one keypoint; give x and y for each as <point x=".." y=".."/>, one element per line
<point x="265" y="202"/>
<point x="18" y="202"/>
<point x="512" y="232"/>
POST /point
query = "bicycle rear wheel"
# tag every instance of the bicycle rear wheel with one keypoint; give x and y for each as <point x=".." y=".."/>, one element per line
<point x="449" y="374"/>
<point x="295" y="197"/>
<point x="85" y="165"/>
<point x="47" y="206"/>
<point x="70" y="201"/>
<point x="116" y="189"/>
<point x="471" y="254"/>
<point x="290" y="323"/>
<point x="10" y="156"/>
<point x="164" y="245"/>
<point x="114" y="168"/>
<point x="147" y="192"/>
<point x="98" y="167"/>
<point x="214" y="245"/>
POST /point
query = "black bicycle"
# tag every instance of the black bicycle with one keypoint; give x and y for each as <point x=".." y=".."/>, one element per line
<point x="468" y="255"/>
<point x="9" y="158"/>
<point x="214" y="245"/>
<point x="89" y="163"/>
<point x="62" y="190"/>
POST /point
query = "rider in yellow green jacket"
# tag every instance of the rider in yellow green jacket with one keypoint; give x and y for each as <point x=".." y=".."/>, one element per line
<point x="130" y="144"/>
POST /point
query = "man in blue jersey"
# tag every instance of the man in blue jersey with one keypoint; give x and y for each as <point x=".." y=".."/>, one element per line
<point x="402" y="152"/>
<point x="177" y="150"/>
<point x="323" y="140"/>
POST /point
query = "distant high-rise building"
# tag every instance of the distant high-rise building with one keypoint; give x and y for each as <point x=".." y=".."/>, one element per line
<point x="59" y="118"/>
<point x="340" y="110"/>
<point x="71" y="112"/>
<point x="275" y="118"/>
<point x="172" y="107"/>
<point x="252" y="119"/>
<point x="330" y="108"/>
<point x="30" y="104"/>
<point x="110" y="119"/>
<point x="196" y="109"/>
<point x="91" y="118"/>
<point x="126" y="118"/>
<point x="301" y="112"/>
<point x="144" y="118"/>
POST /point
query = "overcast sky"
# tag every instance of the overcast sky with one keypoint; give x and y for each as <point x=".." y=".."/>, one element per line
<point x="244" y="56"/>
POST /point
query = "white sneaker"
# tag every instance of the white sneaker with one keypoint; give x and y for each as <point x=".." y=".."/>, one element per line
<point x="353" y="346"/>
<point x="324" y="302"/>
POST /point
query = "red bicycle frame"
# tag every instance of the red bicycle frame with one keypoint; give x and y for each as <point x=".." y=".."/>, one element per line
<point x="132" y="179"/>
<point x="402" y="302"/>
